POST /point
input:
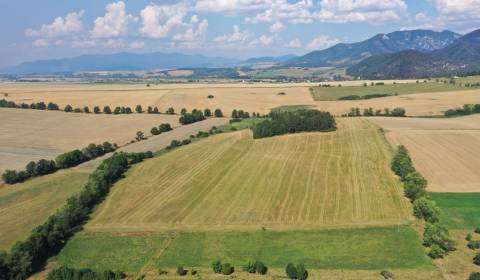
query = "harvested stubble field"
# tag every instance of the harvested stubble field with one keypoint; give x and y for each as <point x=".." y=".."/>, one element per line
<point x="232" y="181"/>
<point x="26" y="205"/>
<point x="27" y="135"/>
<point x="445" y="151"/>
<point x="250" y="97"/>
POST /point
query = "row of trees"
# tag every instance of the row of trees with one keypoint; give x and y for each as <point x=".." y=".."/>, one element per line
<point x="283" y="122"/>
<point x="364" y="97"/>
<point x="436" y="235"/>
<point x="66" y="273"/>
<point x="37" y="106"/>
<point x="467" y="109"/>
<point x="164" y="127"/>
<point x="369" y="112"/>
<point x="65" y="160"/>
<point x="194" y="116"/>
<point x="27" y="256"/>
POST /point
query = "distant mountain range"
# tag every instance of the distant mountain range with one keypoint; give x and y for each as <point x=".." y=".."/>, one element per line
<point x="349" y="54"/>
<point x="267" y="60"/>
<point x="120" y="61"/>
<point x="460" y="57"/>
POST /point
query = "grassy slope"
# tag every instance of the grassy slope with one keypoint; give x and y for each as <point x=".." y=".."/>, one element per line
<point x="310" y="179"/>
<point x="333" y="93"/>
<point x="368" y="248"/>
<point x="26" y="205"/>
<point x="459" y="210"/>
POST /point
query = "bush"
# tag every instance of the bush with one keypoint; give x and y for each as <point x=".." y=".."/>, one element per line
<point x="436" y="234"/>
<point x="217" y="267"/>
<point x="175" y="144"/>
<point x="474" y="276"/>
<point x="96" y="110"/>
<point x="181" y="271"/>
<point x="386" y="274"/>
<point x="415" y="185"/>
<point x="155" y="131"/>
<point x="164" y="127"/>
<point x="210" y="96"/>
<point x="250" y="266"/>
<point x="139" y="109"/>
<point x="261" y="268"/>
<point x="436" y="252"/>
<point x="424" y="208"/>
<point x="186" y="142"/>
<point x="68" y="109"/>
<point x="170" y="111"/>
<point x="469" y="237"/>
<point x="476" y="259"/>
<point x="65" y="273"/>
<point x="227" y="269"/>
<point x="218" y="113"/>
<point x="473" y="244"/>
<point x="291" y="271"/>
<point x="477" y="230"/>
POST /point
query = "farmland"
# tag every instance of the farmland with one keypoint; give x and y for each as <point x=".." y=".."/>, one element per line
<point x="459" y="210"/>
<point x="27" y="205"/>
<point x="432" y="141"/>
<point x="58" y="132"/>
<point x="214" y="183"/>
<point x="334" y="93"/>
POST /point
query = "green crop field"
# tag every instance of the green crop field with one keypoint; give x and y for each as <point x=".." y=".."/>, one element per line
<point x="459" y="210"/>
<point x="334" y="93"/>
<point x="396" y="247"/>
<point x="340" y="178"/>
<point x="26" y="205"/>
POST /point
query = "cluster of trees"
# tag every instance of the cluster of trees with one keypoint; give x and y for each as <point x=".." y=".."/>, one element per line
<point x="296" y="272"/>
<point x="436" y="235"/>
<point x="255" y="267"/>
<point x="27" y="256"/>
<point x="364" y="97"/>
<point x="66" y="273"/>
<point x="177" y="143"/>
<point x="222" y="268"/>
<point x="37" y="106"/>
<point x="65" y="160"/>
<point x="467" y="109"/>
<point x="194" y="116"/>
<point x="240" y="114"/>
<point x="164" y="127"/>
<point x="369" y="112"/>
<point x="283" y="122"/>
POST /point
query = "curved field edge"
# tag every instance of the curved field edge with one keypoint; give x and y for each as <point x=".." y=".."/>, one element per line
<point x="26" y="205"/>
<point x="373" y="248"/>
<point x="340" y="178"/>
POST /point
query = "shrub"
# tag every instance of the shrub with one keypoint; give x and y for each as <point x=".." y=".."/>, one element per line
<point x="186" y="141"/>
<point x="170" y="111"/>
<point x="415" y="185"/>
<point x="174" y="144"/>
<point x="474" y="276"/>
<point x="68" y="109"/>
<point x="473" y="244"/>
<point x="155" y="131"/>
<point x="181" y="271"/>
<point x="210" y="96"/>
<point x="438" y="234"/>
<point x="217" y="266"/>
<point x="139" y="109"/>
<point x="162" y="272"/>
<point x="207" y="113"/>
<point x="476" y="259"/>
<point x="250" y="266"/>
<point x="302" y="273"/>
<point x="477" y="230"/>
<point x="139" y="136"/>
<point x="227" y="269"/>
<point x="86" y="109"/>
<point x="469" y="237"/>
<point x="164" y="127"/>
<point x="436" y="252"/>
<point x="261" y="268"/>
<point x="424" y="208"/>
<point x="398" y="112"/>
<point x="218" y="113"/>
<point x="193" y="272"/>
<point x="96" y="110"/>
<point x="291" y="271"/>
<point x="386" y="274"/>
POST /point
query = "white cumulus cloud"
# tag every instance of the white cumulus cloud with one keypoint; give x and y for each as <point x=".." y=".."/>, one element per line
<point x="263" y="40"/>
<point x="159" y="20"/>
<point x="114" y="23"/>
<point x="322" y="42"/>
<point x="196" y="31"/>
<point x="137" y="45"/>
<point x="341" y="11"/>
<point x="295" y="44"/>
<point x="230" y="5"/>
<point x="61" y="26"/>
<point x="237" y="36"/>
<point x="277" y="26"/>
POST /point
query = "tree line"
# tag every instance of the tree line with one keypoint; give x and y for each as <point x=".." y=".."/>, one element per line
<point x="26" y="257"/>
<point x="283" y="122"/>
<point x="164" y="127"/>
<point x="66" y="273"/>
<point x="364" y="97"/>
<point x="467" y="109"/>
<point x="65" y="160"/>
<point x="436" y="235"/>
<point x="369" y="112"/>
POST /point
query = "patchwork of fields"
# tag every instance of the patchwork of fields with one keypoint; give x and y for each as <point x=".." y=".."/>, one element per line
<point x="230" y="180"/>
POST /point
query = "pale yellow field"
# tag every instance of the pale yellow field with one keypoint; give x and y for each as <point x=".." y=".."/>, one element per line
<point x="313" y="180"/>
<point x="250" y="97"/>
<point x="445" y="151"/>
<point x="27" y="135"/>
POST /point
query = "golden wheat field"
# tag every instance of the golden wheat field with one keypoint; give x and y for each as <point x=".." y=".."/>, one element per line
<point x="230" y="180"/>
<point x="250" y="97"/>
<point x="445" y="151"/>
<point x="27" y="135"/>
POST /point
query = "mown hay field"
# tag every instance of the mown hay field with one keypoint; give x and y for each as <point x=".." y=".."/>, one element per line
<point x="374" y="248"/>
<point x="26" y="205"/>
<point x="445" y="151"/>
<point x="232" y="181"/>
<point x="27" y="135"/>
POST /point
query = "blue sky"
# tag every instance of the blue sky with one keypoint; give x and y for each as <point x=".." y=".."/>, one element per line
<point x="32" y="29"/>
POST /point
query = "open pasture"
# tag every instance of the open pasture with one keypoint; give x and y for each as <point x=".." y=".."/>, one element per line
<point x="27" y="205"/>
<point x="334" y="93"/>
<point x="232" y="181"/>
<point x="459" y="210"/>
<point x="445" y="151"/>
<point x="27" y="135"/>
<point x="376" y="248"/>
